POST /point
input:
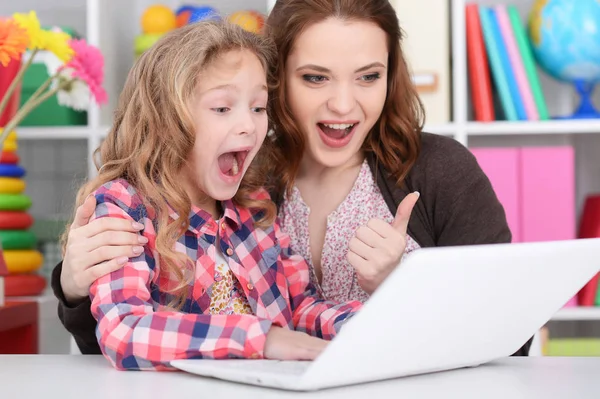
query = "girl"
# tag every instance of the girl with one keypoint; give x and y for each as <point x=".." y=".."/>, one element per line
<point x="349" y="150"/>
<point x="214" y="278"/>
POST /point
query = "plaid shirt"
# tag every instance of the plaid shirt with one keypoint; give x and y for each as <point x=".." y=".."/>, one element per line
<point x="136" y="330"/>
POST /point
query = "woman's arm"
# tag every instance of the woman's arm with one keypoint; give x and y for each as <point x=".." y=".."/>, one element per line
<point x="132" y="334"/>
<point x="92" y="250"/>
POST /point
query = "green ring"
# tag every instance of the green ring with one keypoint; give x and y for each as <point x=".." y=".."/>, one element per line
<point x="14" y="202"/>
<point x="17" y="239"/>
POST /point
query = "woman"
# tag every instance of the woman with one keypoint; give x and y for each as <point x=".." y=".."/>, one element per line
<point x="350" y="159"/>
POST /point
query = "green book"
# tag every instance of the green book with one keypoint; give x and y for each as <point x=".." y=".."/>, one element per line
<point x="573" y="347"/>
<point x="528" y="62"/>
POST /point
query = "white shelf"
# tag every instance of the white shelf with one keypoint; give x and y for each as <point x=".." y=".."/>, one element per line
<point x="53" y="132"/>
<point x="578" y="313"/>
<point x="531" y="127"/>
<point x="446" y="129"/>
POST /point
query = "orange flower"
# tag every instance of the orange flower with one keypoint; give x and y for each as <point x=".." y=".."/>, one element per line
<point x="13" y="41"/>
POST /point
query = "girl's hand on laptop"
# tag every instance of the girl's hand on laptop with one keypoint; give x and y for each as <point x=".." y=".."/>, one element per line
<point x="377" y="247"/>
<point x="284" y="344"/>
<point x="95" y="249"/>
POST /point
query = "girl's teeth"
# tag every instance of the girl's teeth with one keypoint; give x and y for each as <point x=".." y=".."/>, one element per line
<point x="235" y="168"/>
<point x="338" y="125"/>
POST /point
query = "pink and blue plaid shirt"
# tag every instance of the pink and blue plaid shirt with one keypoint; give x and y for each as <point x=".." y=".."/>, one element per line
<point x="136" y="330"/>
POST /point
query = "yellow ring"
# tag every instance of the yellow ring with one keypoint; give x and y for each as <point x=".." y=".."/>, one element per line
<point x="22" y="260"/>
<point x="11" y="185"/>
<point x="10" y="146"/>
<point x="12" y="136"/>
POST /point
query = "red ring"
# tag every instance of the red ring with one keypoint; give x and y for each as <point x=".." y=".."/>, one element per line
<point x="15" y="220"/>
<point x="10" y="158"/>
<point x="24" y="284"/>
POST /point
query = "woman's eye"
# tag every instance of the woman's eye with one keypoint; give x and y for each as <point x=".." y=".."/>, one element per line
<point x="314" y="78"/>
<point x="371" y="77"/>
<point x="259" y="110"/>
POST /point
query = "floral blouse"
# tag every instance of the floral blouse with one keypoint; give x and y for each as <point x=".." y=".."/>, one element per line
<point x="364" y="202"/>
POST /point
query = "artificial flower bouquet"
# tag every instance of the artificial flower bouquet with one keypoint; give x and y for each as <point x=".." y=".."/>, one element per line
<point x="75" y="68"/>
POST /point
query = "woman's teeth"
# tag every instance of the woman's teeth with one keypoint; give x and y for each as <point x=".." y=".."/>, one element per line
<point x="338" y="126"/>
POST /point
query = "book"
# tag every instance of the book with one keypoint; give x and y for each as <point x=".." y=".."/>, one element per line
<point x="516" y="63"/>
<point x="498" y="74"/>
<point x="528" y="61"/>
<point x="479" y="72"/>
<point x="511" y="80"/>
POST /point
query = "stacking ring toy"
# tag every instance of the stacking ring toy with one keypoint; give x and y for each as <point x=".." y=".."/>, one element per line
<point x="15" y="220"/>
<point x="11" y="171"/>
<point x="11" y="185"/>
<point x="20" y="261"/>
<point x="9" y="158"/>
<point x="14" y="202"/>
<point x="10" y="146"/>
<point x="24" y="285"/>
<point x="12" y="136"/>
<point x="17" y="239"/>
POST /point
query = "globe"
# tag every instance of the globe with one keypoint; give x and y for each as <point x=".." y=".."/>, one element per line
<point x="565" y="39"/>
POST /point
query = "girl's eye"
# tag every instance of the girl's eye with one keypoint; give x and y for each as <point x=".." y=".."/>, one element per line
<point x="220" y="110"/>
<point x="259" y="110"/>
<point x="314" y="78"/>
<point x="371" y="77"/>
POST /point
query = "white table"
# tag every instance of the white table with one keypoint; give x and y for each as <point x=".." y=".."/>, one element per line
<point x="91" y="377"/>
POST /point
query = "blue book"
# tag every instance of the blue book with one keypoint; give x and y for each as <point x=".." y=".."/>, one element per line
<point x="511" y="79"/>
<point x="496" y="64"/>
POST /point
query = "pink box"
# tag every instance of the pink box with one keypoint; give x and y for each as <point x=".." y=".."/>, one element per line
<point x="548" y="193"/>
<point x="501" y="165"/>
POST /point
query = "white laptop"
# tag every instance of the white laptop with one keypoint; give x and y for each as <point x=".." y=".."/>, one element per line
<point x="441" y="309"/>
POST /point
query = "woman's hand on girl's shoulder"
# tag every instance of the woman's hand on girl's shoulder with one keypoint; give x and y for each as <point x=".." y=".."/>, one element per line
<point x="96" y="248"/>
<point x="377" y="247"/>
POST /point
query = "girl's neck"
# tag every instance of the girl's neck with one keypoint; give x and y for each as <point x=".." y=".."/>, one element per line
<point x="319" y="174"/>
<point x="202" y="201"/>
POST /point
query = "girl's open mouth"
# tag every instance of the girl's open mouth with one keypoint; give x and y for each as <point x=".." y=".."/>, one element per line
<point x="231" y="164"/>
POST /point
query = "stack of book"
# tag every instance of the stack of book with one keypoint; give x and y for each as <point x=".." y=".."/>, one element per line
<point x="497" y="42"/>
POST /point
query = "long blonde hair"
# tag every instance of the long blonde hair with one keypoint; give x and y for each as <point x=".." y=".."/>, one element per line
<point x="153" y="134"/>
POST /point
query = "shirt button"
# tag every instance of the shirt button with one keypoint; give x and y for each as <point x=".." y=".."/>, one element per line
<point x="254" y="356"/>
<point x="223" y="225"/>
<point x="250" y="287"/>
<point x="229" y="251"/>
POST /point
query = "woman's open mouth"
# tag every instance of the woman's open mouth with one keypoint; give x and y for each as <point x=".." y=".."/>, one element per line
<point x="336" y="135"/>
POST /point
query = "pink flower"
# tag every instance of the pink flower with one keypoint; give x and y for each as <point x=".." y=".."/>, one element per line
<point x="88" y="65"/>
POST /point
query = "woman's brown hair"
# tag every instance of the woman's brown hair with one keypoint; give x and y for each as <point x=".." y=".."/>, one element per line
<point x="153" y="134"/>
<point x="395" y="137"/>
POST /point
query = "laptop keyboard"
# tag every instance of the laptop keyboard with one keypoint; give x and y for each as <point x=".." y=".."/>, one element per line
<point x="271" y="366"/>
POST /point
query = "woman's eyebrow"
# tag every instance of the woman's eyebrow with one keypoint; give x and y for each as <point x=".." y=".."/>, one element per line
<point x="318" y="68"/>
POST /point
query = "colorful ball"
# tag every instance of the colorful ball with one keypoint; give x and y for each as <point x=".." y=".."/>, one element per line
<point x="183" y="18"/>
<point x="202" y="14"/>
<point x="247" y="20"/>
<point x="158" y="19"/>
<point x="144" y="42"/>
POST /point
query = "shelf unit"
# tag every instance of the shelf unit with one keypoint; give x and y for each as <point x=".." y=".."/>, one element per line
<point x="112" y="25"/>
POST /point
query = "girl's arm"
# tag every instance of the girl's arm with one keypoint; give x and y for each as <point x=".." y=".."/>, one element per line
<point x="314" y="316"/>
<point x="132" y="335"/>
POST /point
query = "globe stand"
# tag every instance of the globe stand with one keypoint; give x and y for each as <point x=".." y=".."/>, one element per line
<point x="586" y="109"/>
